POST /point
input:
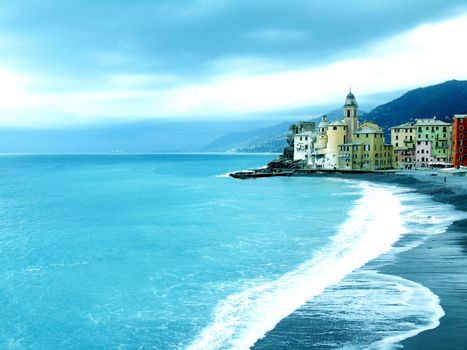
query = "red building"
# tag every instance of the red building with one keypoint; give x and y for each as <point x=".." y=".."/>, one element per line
<point x="459" y="140"/>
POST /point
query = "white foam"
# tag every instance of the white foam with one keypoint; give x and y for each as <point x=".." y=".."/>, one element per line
<point x="382" y="309"/>
<point x="373" y="225"/>
<point x="223" y="175"/>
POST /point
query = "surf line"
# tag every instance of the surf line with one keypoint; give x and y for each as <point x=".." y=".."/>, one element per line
<point x="373" y="225"/>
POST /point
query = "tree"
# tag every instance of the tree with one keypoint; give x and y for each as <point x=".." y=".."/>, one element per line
<point x="293" y="129"/>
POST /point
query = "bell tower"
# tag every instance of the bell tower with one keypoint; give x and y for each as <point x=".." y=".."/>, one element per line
<point x="350" y="114"/>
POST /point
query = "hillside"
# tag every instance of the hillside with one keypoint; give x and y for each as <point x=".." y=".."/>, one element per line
<point x="271" y="139"/>
<point x="441" y="101"/>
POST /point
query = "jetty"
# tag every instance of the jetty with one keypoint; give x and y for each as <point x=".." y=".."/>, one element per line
<point x="260" y="173"/>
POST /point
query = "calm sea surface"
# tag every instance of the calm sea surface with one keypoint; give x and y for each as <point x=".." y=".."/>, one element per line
<point x="161" y="252"/>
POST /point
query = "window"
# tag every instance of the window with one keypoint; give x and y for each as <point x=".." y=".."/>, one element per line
<point x="334" y="128"/>
<point x="444" y="129"/>
<point x="397" y="137"/>
<point x="426" y="143"/>
<point x="397" y="144"/>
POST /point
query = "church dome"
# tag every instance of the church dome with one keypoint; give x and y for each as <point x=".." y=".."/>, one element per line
<point x="324" y="122"/>
<point x="350" y="99"/>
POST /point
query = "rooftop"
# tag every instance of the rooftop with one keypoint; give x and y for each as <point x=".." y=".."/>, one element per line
<point x="404" y="126"/>
<point x="337" y="123"/>
<point x="430" y="121"/>
<point x="368" y="130"/>
<point x="305" y="133"/>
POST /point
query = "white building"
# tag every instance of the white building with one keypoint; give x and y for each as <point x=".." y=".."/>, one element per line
<point x="303" y="144"/>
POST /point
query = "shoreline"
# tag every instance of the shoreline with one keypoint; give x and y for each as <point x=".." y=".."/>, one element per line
<point x="439" y="263"/>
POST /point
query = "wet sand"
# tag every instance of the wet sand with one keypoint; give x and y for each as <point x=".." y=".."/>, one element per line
<point x="440" y="263"/>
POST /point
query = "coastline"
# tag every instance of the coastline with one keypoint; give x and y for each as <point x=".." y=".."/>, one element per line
<point x="440" y="263"/>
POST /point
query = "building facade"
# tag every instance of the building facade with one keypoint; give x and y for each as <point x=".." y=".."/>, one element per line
<point x="303" y="143"/>
<point x="344" y="144"/>
<point x="403" y="143"/>
<point x="459" y="140"/>
<point x="433" y="143"/>
<point x="367" y="151"/>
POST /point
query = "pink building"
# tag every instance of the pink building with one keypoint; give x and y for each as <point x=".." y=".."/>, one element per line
<point x="423" y="154"/>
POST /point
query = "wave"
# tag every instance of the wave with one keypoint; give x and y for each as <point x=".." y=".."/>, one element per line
<point x="372" y="227"/>
<point x="368" y="310"/>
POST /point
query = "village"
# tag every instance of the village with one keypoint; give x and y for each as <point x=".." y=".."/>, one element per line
<point x="349" y="145"/>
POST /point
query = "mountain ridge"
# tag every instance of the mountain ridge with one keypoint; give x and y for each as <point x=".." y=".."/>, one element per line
<point x="441" y="100"/>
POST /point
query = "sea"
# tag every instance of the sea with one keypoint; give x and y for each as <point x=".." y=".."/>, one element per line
<point x="166" y="251"/>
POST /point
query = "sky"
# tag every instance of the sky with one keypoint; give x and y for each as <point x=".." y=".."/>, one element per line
<point x="82" y="62"/>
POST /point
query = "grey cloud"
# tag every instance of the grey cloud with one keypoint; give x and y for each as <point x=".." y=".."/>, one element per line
<point x="83" y="40"/>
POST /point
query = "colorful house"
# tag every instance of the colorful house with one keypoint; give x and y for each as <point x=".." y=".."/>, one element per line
<point x="403" y="142"/>
<point x="367" y="150"/>
<point x="432" y="143"/>
<point x="459" y="140"/>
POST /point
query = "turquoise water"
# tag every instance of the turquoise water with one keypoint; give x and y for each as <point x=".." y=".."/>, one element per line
<point x="136" y="251"/>
<point x="165" y="252"/>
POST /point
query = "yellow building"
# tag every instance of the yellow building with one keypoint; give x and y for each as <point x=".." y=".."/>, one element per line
<point x="344" y="144"/>
<point x="366" y="151"/>
<point x="336" y="135"/>
<point x="403" y="142"/>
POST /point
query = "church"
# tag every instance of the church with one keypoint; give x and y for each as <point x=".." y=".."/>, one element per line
<point x="344" y="144"/>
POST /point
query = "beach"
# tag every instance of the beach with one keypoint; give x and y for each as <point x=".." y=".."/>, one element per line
<point x="440" y="263"/>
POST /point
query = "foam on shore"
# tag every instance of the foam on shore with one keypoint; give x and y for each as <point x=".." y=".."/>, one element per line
<point x="373" y="225"/>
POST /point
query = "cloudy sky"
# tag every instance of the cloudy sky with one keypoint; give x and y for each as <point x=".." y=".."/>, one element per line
<point x="79" y="62"/>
